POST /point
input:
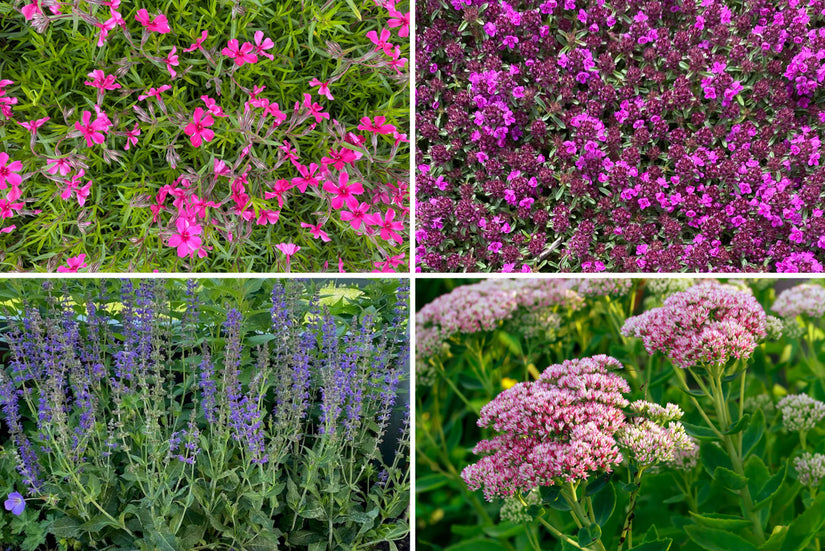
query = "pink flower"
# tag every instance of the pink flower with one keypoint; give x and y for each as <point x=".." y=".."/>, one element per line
<point x="381" y="43"/>
<point x="197" y="44"/>
<point x="197" y="129"/>
<point x="387" y="225"/>
<point x="220" y="168"/>
<point x="7" y="206"/>
<point x="131" y="137"/>
<point x="101" y="81"/>
<point x="268" y="217"/>
<point x="267" y="44"/>
<point x="156" y="24"/>
<point x="378" y="126"/>
<point x="29" y="10"/>
<point x="316" y="231"/>
<point x="93" y="131"/>
<point x="356" y="217"/>
<point x="344" y="192"/>
<point x="53" y="166"/>
<point x="186" y="240"/>
<point x="399" y="19"/>
<point x="32" y="126"/>
<point x="241" y="54"/>
<point x="154" y="92"/>
<point x="314" y="109"/>
<point x="7" y="172"/>
<point x="324" y="88"/>
<point x="341" y="157"/>
<point x="73" y="264"/>
<point x="288" y="249"/>
<point x="307" y="177"/>
<point x="172" y="59"/>
<point x="83" y="193"/>
<point x="213" y="107"/>
<point x="275" y="110"/>
<point x="278" y="189"/>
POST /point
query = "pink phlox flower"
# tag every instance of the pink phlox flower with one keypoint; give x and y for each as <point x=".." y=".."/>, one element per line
<point x="73" y="264"/>
<point x="268" y="217"/>
<point x="378" y="126"/>
<point x="32" y="126"/>
<point x="131" y="137"/>
<point x="381" y="43"/>
<point x="288" y="249"/>
<point x="262" y="44"/>
<point x="172" y="59"/>
<point x="338" y="159"/>
<point x="398" y="64"/>
<point x="198" y="129"/>
<point x="240" y="54"/>
<point x="155" y="92"/>
<point x="83" y="193"/>
<point x="198" y="205"/>
<point x="275" y="110"/>
<point x="196" y="45"/>
<point x="289" y="151"/>
<point x="344" y="192"/>
<point x="102" y="81"/>
<point x="8" y="206"/>
<point x="63" y="166"/>
<point x="94" y="132"/>
<point x="324" y="88"/>
<point x="356" y="217"/>
<point x="314" y="108"/>
<point x="256" y="91"/>
<point x="220" y="168"/>
<point x="402" y="20"/>
<point x="316" y="231"/>
<point x="387" y="225"/>
<point x="186" y="240"/>
<point x="156" y="24"/>
<point x="307" y="177"/>
<point x="213" y="106"/>
<point x="278" y="189"/>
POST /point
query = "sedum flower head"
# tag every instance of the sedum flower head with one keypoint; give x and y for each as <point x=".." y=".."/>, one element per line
<point x="485" y="306"/>
<point x="706" y="324"/>
<point x="800" y="412"/>
<point x="810" y="468"/>
<point x="760" y="401"/>
<point x="803" y="300"/>
<point x="560" y="427"/>
<point x="601" y="287"/>
<point x="664" y="287"/>
<point x="513" y="510"/>
<point x="774" y="328"/>
<point x="686" y="457"/>
<point x="654" y="434"/>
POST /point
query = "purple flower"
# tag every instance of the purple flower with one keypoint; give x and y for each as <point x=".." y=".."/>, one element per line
<point x="15" y="503"/>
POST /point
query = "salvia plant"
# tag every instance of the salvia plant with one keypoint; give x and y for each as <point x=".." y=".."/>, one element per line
<point x="226" y="135"/>
<point x="630" y="136"/>
<point x="674" y="414"/>
<point x="157" y="416"/>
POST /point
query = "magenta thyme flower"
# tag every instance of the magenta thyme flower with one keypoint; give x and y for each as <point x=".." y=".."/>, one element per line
<point x="559" y="428"/>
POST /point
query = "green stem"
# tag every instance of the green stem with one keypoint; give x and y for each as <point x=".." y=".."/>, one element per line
<point x="553" y="530"/>
<point x="627" y="528"/>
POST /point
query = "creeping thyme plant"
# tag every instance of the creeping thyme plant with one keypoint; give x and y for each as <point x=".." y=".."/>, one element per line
<point x="623" y="136"/>
<point x="244" y="414"/>
<point x="618" y="414"/>
<point x="225" y="135"/>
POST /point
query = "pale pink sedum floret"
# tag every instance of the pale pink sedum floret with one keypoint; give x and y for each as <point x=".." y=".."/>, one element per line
<point x="706" y="324"/>
<point x="561" y="427"/>
<point x="800" y="412"/>
<point x="803" y="300"/>
<point x="810" y="467"/>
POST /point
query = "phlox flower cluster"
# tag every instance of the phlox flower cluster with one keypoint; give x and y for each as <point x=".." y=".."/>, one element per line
<point x="653" y="434"/>
<point x="706" y="325"/>
<point x="810" y="468"/>
<point x="296" y="181"/>
<point x="806" y="299"/>
<point x="485" y="306"/>
<point x="561" y="427"/>
<point x="643" y="136"/>
<point x="800" y="412"/>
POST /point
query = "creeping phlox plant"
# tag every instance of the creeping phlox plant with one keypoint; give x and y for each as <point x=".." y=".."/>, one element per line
<point x="633" y="136"/>
<point x="222" y="135"/>
<point x="673" y="414"/>
<point x="158" y="420"/>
